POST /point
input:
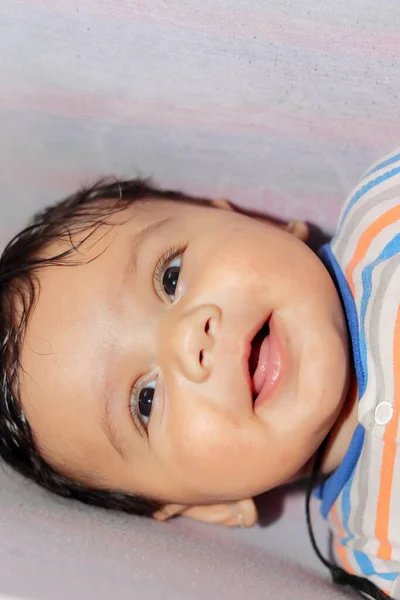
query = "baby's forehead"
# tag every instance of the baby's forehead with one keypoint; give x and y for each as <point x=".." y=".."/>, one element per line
<point x="74" y="324"/>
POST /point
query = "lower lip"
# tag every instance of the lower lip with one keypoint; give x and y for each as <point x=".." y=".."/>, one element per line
<point x="270" y="361"/>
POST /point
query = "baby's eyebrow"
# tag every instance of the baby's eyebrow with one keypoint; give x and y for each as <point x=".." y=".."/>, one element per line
<point x="141" y="238"/>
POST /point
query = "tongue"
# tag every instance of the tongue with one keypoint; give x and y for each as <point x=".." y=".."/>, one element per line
<point x="261" y="370"/>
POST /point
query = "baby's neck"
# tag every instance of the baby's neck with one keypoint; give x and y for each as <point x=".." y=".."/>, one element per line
<point x="339" y="437"/>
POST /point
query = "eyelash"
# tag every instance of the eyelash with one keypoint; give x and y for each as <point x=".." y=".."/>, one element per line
<point x="162" y="264"/>
<point x="133" y="407"/>
<point x="159" y="271"/>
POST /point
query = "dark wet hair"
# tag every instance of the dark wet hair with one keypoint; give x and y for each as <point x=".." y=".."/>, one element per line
<point x="81" y="213"/>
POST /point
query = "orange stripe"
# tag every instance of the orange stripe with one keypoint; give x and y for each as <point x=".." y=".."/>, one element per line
<point x="364" y="243"/>
<point x="389" y="457"/>
<point x="341" y="551"/>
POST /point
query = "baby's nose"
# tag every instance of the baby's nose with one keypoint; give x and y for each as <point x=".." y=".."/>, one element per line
<point x="193" y="338"/>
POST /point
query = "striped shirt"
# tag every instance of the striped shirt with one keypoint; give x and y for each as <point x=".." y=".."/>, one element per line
<point x="361" y="499"/>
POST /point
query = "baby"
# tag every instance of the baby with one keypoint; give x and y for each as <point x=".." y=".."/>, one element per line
<point x="167" y="355"/>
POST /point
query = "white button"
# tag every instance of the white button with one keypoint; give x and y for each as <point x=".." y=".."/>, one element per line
<point x="383" y="413"/>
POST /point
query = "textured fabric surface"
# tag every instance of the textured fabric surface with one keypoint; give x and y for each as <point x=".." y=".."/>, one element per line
<point x="52" y="548"/>
<point x="276" y="104"/>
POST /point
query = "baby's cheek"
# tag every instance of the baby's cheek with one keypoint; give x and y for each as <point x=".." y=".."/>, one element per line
<point x="206" y="452"/>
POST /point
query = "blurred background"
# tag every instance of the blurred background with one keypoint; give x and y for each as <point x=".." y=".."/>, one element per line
<point x="277" y="105"/>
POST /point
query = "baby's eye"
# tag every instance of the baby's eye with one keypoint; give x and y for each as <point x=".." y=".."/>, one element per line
<point x="145" y="402"/>
<point x="171" y="276"/>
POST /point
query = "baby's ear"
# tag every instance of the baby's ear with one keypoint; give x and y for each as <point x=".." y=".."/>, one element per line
<point x="297" y="228"/>
<point x="222" y="203"/>
<point x="239" y="513"/>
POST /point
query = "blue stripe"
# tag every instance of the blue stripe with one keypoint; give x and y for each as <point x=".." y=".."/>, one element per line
<point x="346" y="508"/>
<point x="383" y="164"/>
<point x="368" y="569"/>
<point x="342" y="285"/>
<point x="331" y="488"/>
<point x="363" y="190"/>
<point x="390" y="250"/>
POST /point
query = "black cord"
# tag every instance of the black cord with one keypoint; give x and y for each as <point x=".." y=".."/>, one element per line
<point x="339" y="576"/>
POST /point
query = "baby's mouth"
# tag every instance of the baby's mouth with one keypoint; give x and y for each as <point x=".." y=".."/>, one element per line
<point x="255" y="355"/>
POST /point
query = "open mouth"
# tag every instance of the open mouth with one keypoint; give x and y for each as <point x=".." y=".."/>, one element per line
<point x="254" y="357"/>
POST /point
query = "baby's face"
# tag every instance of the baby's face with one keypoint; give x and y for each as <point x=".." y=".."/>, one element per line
<point x="136" y="371"/>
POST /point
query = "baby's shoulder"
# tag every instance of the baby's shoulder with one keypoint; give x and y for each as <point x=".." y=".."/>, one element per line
<point x="372" y="209"/>
<point x="368" y="233"/>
